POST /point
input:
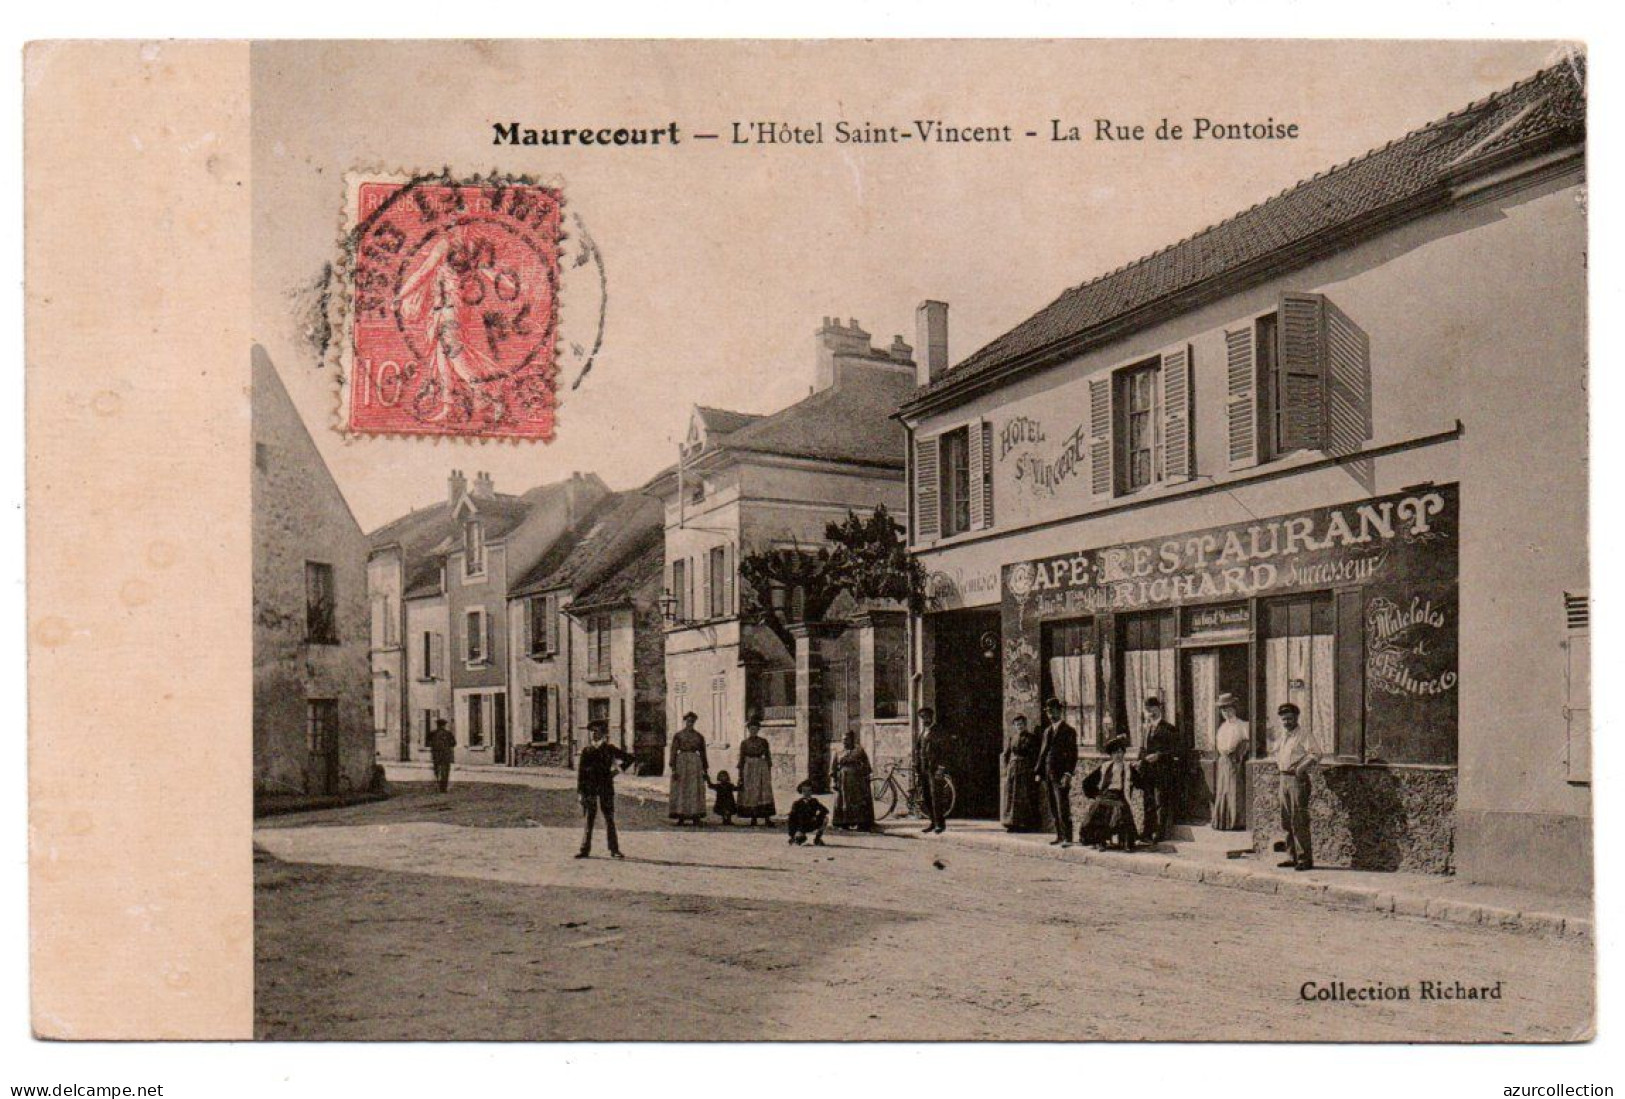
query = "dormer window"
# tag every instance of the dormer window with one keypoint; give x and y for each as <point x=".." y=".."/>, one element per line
<point x="473" y="549"/>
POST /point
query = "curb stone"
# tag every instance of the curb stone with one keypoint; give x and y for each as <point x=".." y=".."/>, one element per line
<point x="1326" y="893"/>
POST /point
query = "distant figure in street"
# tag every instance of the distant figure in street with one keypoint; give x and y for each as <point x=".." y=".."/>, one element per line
<point x="1021" y="789"/>
<point x="756" y="774"/>
<point x="1159" y="772"/>
<point x="595" y="782"/>
<point x="689" y="769"/>
<point x="1294" y="759"/>
<point x="1109" y="817"/>
<point x="807" y="817"/>
<point x="442" y="747"/>
<point x="854" y="801"/>
<point x="1057" y="759"/>
<point x="726" y="805"/>
<point x="1231" y="743"/>
<point x="931" y="752"/>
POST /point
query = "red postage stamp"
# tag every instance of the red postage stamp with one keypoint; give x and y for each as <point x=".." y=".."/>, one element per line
<point x="452" y="320"/>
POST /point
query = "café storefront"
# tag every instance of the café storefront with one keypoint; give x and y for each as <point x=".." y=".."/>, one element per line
<point x="1349" y="611"/>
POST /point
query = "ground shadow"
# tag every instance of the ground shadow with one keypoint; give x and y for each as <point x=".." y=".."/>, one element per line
<point x="358" y="954"/>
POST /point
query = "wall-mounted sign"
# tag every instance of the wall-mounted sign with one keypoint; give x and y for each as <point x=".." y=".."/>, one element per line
<point x="1206" y="621"/>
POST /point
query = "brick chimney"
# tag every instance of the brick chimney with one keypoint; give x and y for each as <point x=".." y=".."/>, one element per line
<point x="483" y="488"/>
<point x="456" y="485"/>
<point x="931" y="340"/>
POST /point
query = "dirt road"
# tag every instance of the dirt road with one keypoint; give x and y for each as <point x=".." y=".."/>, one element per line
<point x="464" y="917"/>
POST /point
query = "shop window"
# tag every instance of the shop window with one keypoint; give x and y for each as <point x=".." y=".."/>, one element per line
<point x="1148" y="668"/>
<point x="1070" y="670"/>
<point x="891" y="672"/>
<point x="1299" y="667"/>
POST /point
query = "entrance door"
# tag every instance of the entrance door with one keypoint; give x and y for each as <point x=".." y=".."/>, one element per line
<point x="499" y="726"/>
<point x="322" y="746"/>
<point x="969" y="700"/>
<point x="1208" y="673"/>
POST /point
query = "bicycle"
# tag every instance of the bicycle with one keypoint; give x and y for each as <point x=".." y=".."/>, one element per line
<point x="899" y="781"/>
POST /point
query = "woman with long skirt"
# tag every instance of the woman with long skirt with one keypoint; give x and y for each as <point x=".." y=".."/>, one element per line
<point x="854" y="802"/>
<point x="755" y="774"/>
<point x="1022" y="795"/>
<point x="1109" y="817"/>
<point x="689" y="773"/>
<point x="1231" y="744"/>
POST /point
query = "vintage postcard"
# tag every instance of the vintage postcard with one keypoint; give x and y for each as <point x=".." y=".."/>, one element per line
<point x="811" y="540"/>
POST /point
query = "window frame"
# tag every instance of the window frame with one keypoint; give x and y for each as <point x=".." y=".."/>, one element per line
<point x="471" y="658"/>
<point x="473" y="549"/>
<point x="321" y="621"/>
<point x="953" y="502"/>
<point x="1124" y="451"/>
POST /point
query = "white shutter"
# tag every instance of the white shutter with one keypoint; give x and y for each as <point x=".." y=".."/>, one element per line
<point x="975" y="457"/>
<point x="729" y="567"/>
<point x="1241" y="400"/>
<point x="987" y="473"/>
<point x="1303" y="372"/>
<point x="1102" y="479"/>
<point x="927" y="517"/>
<point x="706" y="582"/>
<point x="437" y="655"/>
<point x="1178" y="377"/>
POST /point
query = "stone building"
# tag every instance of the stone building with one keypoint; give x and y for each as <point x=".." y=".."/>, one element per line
<point x="440" y="648"/>
<point x="312" y="734"/>
<point x="746" y="483"/>
<point x="1331" y="451"/>
<point x="587" y="638"/>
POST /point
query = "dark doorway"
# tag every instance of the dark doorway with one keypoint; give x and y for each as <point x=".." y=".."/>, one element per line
<point x="499" y="722"/>
<point x="322" y="746"/>
<point x="969" y="700"/>
<point x="1205" y="674"/>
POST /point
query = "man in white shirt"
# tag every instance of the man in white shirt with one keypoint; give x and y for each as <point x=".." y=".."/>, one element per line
<point x="1294" y="758"/>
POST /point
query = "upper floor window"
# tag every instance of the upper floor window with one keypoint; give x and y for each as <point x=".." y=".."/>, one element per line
<point x="598" y="637"/>
<point x="718" y="583"/>
<point x="543" y="624"/>
<point x="473" y="548"/>
<point x="1137" y="440"/>
<point x="477" y="637"/>
<point x="1297" y="378"/>
<point x="321" y="607"/>
<point x="953" y="482"/>
<point x="679" y="589"/>
<point x="431" y="655"/>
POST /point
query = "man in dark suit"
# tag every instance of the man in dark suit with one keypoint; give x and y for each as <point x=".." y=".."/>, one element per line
<point x="1057" y="760"/>
<point x="442" y="748"/>
<point x="932" y="748"/>
<point x="595" y="782"/>
<point x="1159" y="768"/>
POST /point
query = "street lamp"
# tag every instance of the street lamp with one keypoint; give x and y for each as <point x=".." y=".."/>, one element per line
<point x="668" y="607"/>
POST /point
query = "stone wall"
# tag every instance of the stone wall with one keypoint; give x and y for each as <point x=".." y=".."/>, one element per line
<point x="1366" y="817"/>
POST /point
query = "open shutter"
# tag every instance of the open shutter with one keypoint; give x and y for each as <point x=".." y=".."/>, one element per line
<point x="437" y="655"/>
<point x="707" y="582"/>
<point x="1179" y="458"/>
<point x="1101" y="478"/>
<point x="1303" y="372"/>
<point x="927" y="520"/>
<point x="987" y="473"/>
<point x="977" y="460"/>
<point x="729" y="566"/>
<point x="490" y="653"/>
<point x="1348" y="384"/>
<point x="1241" y="397"/>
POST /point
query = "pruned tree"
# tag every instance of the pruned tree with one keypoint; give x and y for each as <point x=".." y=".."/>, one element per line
<point x="867" y="558"/>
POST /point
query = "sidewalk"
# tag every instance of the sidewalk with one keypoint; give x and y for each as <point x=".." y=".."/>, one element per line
<point x="1203" y="858"/>
<point x="1200" y="855"/>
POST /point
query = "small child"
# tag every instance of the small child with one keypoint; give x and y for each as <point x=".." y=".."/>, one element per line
<point x="807" y="817"/>
<point x="726" y="807"/>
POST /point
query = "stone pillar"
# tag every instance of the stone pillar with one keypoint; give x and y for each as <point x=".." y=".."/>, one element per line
<point x="866" y="625"/>
<point x="812" y="716"/>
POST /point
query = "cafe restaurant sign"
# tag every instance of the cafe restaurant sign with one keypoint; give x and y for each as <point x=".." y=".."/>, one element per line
<point x="1382" y="540"/>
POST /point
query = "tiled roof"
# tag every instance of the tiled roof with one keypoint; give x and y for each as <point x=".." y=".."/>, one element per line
<point x="613" y="533"/>
<point x="848" y="422"/>
<point x="643" y="563"/>
<point x="723" y="421"/>
<point x="1545" y="110"/>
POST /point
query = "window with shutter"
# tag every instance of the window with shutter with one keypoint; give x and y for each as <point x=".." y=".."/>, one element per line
<point x="1348" y="384"/>
<point x="1135" y="435"/>
<point x="1100" y="437"/>
<point x="954" y="481"/>
<point x="927" y="520"/>
<point x="1300" y="390"/>
<point x="1241" y="398"/>
<point x="438" y="652"/>
<point x="976" y="466"/>
<point x="1577" y="707"/>
<point x="1178" y="439"/>
<point x="490" y="652"/>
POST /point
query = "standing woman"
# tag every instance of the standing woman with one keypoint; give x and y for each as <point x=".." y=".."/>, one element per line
<point x="755" y="774"/>
<point x="689" y="772"/>
<point x="1021" y="812"/>
<point x="1232" y="743"/>
<point x="854" y="803"/>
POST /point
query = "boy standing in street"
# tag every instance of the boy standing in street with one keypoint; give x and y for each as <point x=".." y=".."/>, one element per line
<point x="595" y="782"/>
